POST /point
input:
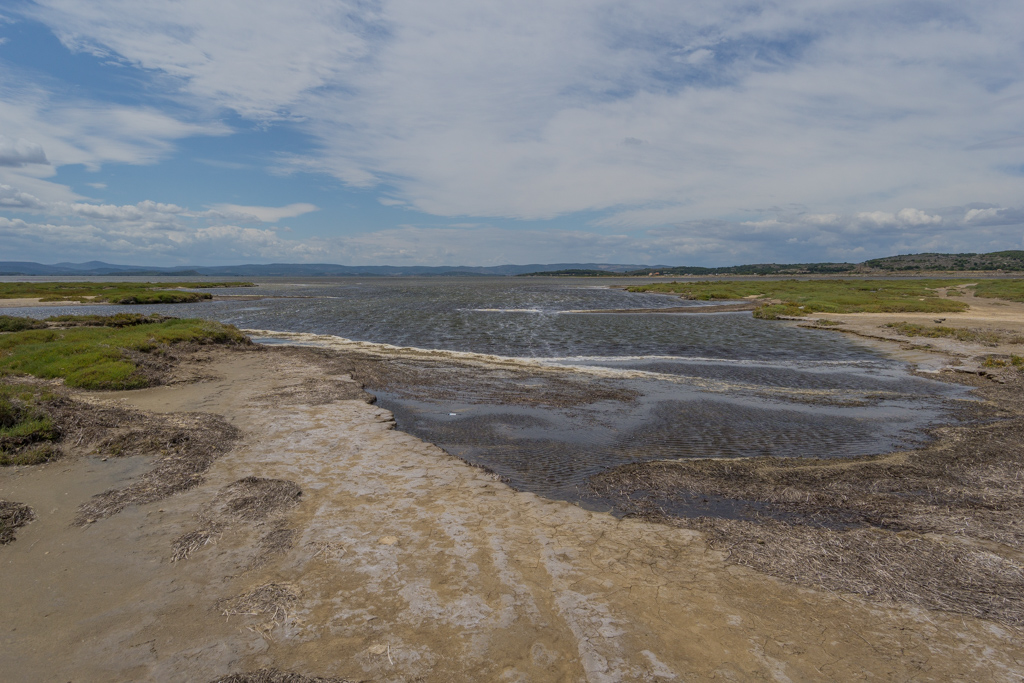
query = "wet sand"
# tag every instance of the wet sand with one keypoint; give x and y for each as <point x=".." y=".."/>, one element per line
<point x="402" y="563"/>
<point x="406" y="564"/>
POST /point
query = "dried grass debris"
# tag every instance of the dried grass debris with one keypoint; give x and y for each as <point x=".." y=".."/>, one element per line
<point x="256" y="498"/>
<point x="189" y="443"/>
<point x="276" y="542"/>
<point x="13" y="516"/>
<point x="275" y="676"/>
<point x="183" y="546"/>
<point x="252" y="500"/>
<point x="270" y="600"/>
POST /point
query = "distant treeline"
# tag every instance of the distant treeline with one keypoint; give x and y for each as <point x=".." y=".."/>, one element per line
<point x="999" y="260"/>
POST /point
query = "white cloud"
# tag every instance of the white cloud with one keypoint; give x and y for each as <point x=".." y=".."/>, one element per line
<point x="916" y="217"/>
<point x="980" y="214"/>
<point x="678" y="121"/>
<point x="17" y="152"/>
<point x="151" y="231"/>
<point x="488" y="109"/>
<point x="14" y="199"/>
<point x="265" y="214"/>
<point x="44" y="130"/>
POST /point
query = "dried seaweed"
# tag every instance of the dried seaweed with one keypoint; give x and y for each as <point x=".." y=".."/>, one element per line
<point x="189" y="443"/>
<point x="256" y="498"/>
<point x="12" y="517"/>
<point x="251" y="499"/>
<point x="275" y="676"/>
<point x="270" y="600"/>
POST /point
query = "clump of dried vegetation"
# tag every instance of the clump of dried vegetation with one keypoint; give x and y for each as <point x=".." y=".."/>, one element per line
<point x="275" y="676"/>
<point x="270" y="600"/>
<point x="256" y="498"/>
<point x="13" y="516"/>
<point x="939" y="527"/>
<point x="252" y="499"/>
<point x="187" y="445"/>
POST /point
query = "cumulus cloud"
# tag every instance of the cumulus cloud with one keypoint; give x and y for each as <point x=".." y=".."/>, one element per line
<point x="144" y="231"/>
<point x="11" y="198"/>
<point x="17" y="152"/>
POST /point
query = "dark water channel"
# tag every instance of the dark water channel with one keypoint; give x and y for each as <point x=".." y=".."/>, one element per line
<point x="613" y="389"/>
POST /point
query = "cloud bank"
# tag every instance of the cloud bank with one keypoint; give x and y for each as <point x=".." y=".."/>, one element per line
<point x="159" y="233"/>
<point x="673" y="131"/>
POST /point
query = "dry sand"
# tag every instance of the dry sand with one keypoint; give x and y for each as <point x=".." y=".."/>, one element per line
<point x="34" y="302"/>
<point x="401" y="563"/>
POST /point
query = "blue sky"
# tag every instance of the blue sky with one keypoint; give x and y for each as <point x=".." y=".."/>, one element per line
<point x="481" y="133"/>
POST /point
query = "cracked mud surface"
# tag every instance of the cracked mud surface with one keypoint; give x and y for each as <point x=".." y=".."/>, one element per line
<point x="405" y="564"/>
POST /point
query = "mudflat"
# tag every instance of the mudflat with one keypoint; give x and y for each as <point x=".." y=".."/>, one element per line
<point x="325" y="542"/>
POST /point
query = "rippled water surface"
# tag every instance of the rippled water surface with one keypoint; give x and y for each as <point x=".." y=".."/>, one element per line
<point x="644" y="386"/>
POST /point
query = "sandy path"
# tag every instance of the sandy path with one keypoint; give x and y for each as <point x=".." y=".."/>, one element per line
<point x="410" y="565"/>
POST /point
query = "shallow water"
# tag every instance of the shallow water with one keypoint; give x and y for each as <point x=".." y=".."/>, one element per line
<point x="715" y="385"/>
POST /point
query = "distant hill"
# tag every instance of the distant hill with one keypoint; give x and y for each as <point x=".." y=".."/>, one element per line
<point x="753" y="269"/>
<point x="98" y="268"/>
<point x="1007" y="261"/>
<point x="997" y="260"/>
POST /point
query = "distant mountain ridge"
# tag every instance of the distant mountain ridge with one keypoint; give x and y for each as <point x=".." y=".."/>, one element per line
<point x="1009" y="261"/>
<point x="12" y="268"/>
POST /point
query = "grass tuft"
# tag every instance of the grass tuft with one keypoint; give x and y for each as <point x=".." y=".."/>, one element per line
<point x="1014" y="361"/>
<point x="26" y="429"/>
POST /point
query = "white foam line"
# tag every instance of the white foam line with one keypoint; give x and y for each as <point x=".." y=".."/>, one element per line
<point x="712" y="360"/>
<point x="540" y="364"/>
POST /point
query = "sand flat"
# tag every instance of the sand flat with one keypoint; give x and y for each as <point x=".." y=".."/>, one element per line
<point x="408" y="564"/>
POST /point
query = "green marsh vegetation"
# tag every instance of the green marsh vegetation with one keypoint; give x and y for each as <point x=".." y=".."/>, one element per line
<point x="27" y="431"/>
<point x="113" y="292"/>
<point x="1011" y="290"/>
<point x="1014" y="361"/>
<point x="90" y="352"/>
<point x="803" y="297"/>
<point x="988" y="337"/>
<point x="10" y="323"/>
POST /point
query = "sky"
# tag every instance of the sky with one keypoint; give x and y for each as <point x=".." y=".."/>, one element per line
<point x="474" y="132"/>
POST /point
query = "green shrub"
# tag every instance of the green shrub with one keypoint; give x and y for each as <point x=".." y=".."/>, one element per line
<point x="10" y="323"/>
